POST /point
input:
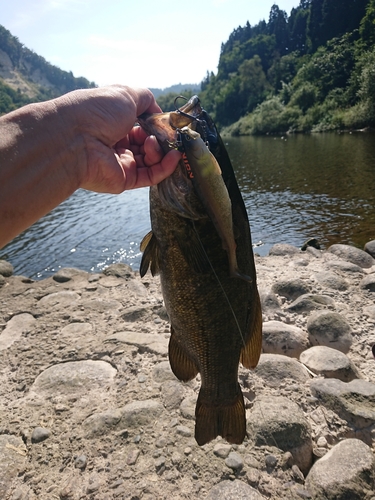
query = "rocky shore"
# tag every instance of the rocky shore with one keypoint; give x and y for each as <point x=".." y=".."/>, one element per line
<point x="89" y="408"/>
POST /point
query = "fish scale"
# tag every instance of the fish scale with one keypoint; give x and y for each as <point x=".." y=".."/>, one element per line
<point x="216" y="319"/>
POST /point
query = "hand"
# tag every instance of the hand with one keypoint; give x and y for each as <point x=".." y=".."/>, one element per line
<point x="117" y="155"/>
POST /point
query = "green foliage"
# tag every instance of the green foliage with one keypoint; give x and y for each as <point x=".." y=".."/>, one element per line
<point x="27" y="63"/>
<point x="313" y="70"/>
<point x="11" y="99"/>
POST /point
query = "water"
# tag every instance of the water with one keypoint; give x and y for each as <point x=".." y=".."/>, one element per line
<point x="295" y="187"/>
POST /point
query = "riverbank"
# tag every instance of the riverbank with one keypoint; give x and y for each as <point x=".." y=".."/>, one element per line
<point x="90" y="409"/>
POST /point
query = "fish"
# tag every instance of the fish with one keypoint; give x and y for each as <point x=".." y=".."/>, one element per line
<point x="216" y="320"/>
<point x="211" y="189"/>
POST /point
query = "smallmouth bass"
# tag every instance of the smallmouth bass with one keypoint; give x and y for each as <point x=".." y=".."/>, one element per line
<point x="216" y="320"/>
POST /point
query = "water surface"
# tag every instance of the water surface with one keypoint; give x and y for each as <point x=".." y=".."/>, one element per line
<point x="294" y="187"/>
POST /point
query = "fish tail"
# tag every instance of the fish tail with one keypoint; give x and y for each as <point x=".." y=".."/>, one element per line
<point x="226" y="420"/>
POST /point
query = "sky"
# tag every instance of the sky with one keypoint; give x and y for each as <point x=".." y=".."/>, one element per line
<point x="139" y="43"/>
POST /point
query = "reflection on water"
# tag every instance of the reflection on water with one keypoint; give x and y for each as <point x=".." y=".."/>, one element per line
<point x="296" y="187"/>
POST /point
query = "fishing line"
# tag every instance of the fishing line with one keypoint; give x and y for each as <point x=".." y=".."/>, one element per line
<point x="221" y="286"/>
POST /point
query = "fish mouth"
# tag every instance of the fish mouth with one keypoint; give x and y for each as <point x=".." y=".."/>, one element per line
<point x="165" y="125"/>
<point x="176" y="191"/>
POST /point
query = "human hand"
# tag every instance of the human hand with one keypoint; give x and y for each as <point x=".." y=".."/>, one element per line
<point x="115" y="155"/>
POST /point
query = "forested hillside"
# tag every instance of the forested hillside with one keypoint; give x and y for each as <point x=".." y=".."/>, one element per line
<point x="311" y="70"/>
<point x="27" y="77"/>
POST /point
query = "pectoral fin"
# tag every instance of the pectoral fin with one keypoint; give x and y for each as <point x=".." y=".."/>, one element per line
<point x="182" y="365"/>
<point x="150" y="258"/>
<point x="250" y="353"/>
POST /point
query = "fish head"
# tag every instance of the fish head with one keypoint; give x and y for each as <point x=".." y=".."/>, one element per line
<point x="164" y="126"/>
<point x="192" y="144"/>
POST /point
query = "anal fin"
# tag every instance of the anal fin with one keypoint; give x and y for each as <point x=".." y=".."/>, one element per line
<point x="228" y="421"/>
<point x="182" y="365"/>
<point x="251" y="351"/>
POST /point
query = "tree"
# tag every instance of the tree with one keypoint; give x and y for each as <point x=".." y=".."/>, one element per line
<point x="278" y="26"/>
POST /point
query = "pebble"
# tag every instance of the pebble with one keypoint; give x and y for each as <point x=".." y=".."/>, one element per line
<point x="280" y="338"/>
<point x="234" y="461"/>
<point x="354" y="401"/>
<point x="283" y="249"/>
<point x="222" y="450"/>
<point x="309" y="302"/>
<point x="278" y="421"/>
<point x="370" y="248"/>
<point x="233" y="490"/>
<point x="276" y="368"/>
<point x="15" y="328"/>
<point x="330" y="363"/>
<point x="352" y="254"/>
<point x="345" y="472"/>
<point x="40" y="434"/>
<point x="80" y="462"/>
<point x="183" y="430"/>
<point x="330" y="329"/>
<point x="290" y="288"/>
<point x="92" y="366"/>
<point x="368" y="283"/>
<point x="6" y="268"/>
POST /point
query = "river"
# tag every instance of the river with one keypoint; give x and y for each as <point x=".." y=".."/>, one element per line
<point x="295" y="187"/>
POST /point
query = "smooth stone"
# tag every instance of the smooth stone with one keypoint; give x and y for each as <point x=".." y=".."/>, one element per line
<point x="345" y="472"/>
<point x="100" y="305"/>
<point x="13" y="459"/>
<point x="136" y="313"/>
<point x="163" y="372"/>
<point x="368" y="283"/>
<point x="291" y="289"/>
<point x="370" y="248"/>
<point x="2" y="280"/>
<point x="352" y="254"/>
<point x="77" y="330"/>
<point x="151" y="342"/>
<point x="369" y="311"/>
<point x="275" y="368"/>
<point x="119" y="270"/>
<point x="354" y="401"/>
<point x="102" y="423"/>
<point x="187" y="407"/>
<point x="341" y="265"/>
<point x="234" y="461"/>
<point x="330" y="329"/>
<point x="135" y="414"/>
<point x="80" y="462"/>
<point x="15" y="328"/>
<point x="6" y="268"/>
<point x="140" y="413"/>
<point x="278" y="421"/>
<point x="67" y="273"/>
<point x="60" y="299"/>
<point x="280" y="338"/>
<point x="222" y="450"/>
<point x="332" y="281"/>
<point x="310" y="302"/>
<point x="172" y="394"/>
<point x="75" y="377"/>
<point x="184" y="431"/>
<point x="40" y="434"/>
<point x="233" y="490"/>
<point x="280" y="249"/>
<point x="329" y="362"/>
<point x="269" y="300"/>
